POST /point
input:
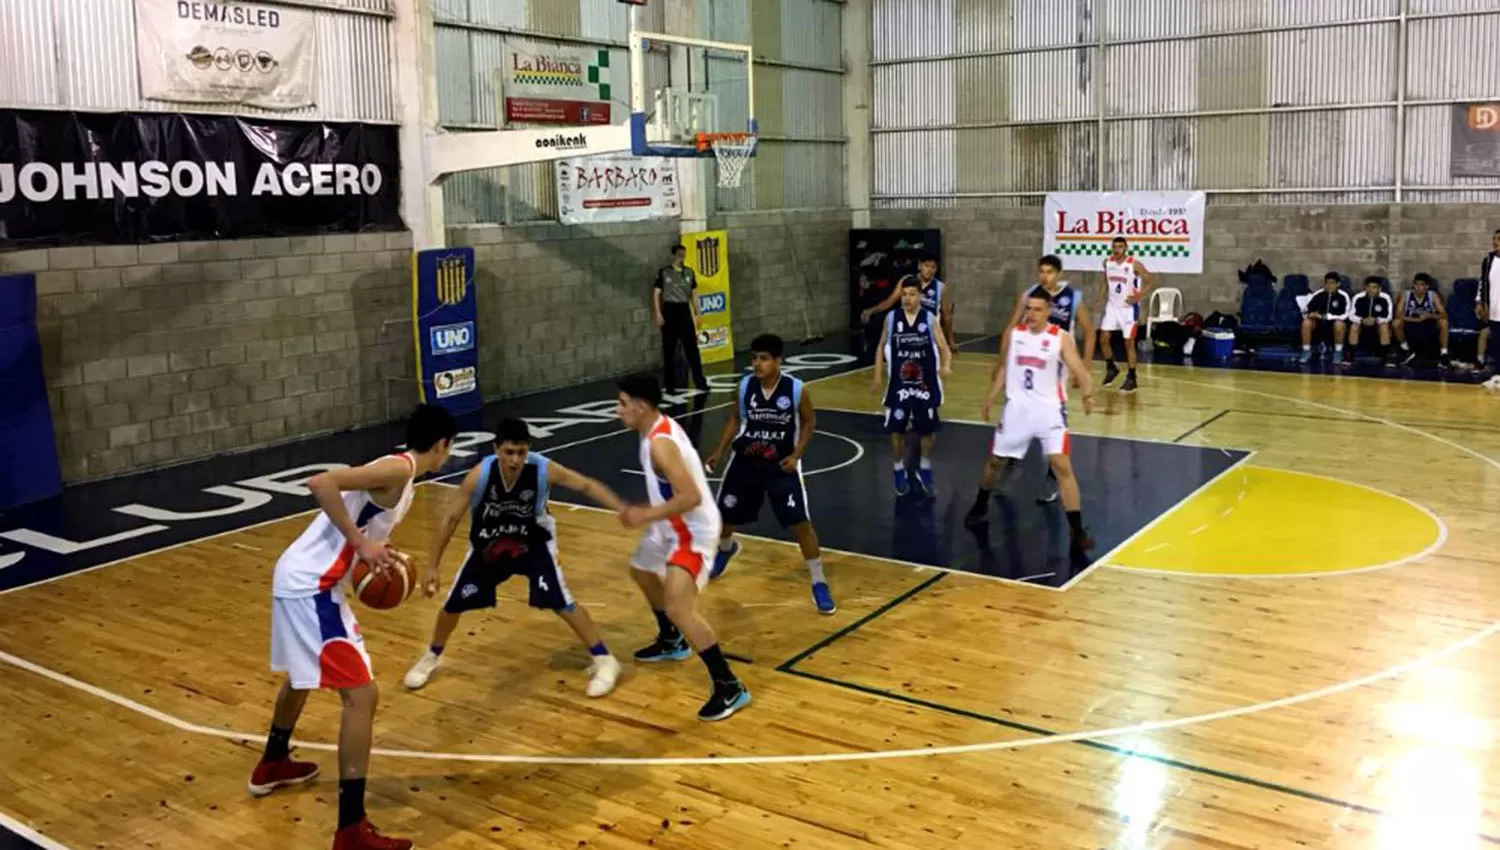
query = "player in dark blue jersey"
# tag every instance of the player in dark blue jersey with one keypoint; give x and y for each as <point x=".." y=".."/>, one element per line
<point x="915" y="350"/>
<point x="1422" y="318"/>
<point x="511" y="533"/>
<point x="937" y="298"/>
<point x="766" y="435"/>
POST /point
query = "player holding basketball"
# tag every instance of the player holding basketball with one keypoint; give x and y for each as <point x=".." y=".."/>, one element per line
<point x="671" y="562"/>
<point x="1036" y="409"/>
<point x="1126" y="282"/>
<point x="769" y="430"/>
<point x="314" y="638"/>
<point x="1067" y="310"/>
<point x="512" y="533"/>
<point x="917" y="353"/>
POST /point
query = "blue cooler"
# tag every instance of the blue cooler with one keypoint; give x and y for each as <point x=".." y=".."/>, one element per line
<point x="1216" y="344"/>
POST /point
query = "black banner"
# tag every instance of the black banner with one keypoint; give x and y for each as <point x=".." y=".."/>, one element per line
<point x="878" y="259"/>
<point x="70" y="178"/>
<point x="1475" y="140"/>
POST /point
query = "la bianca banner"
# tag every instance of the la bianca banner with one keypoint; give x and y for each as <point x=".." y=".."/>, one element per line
<point x="617" y="187"/>
<point x="192" y="51"/>
<point x="1164" y="229"/>
<point x="82" y="178"/>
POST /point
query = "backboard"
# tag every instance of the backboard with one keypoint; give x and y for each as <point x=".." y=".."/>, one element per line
<point x="687" y="93"/>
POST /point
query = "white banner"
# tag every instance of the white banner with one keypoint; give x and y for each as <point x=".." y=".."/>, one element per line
<point x="617" y="187"/>
<point x="1165" y="229"/>
<point x="202" y="52"/>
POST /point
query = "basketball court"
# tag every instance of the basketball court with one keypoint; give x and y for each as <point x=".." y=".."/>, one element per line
<point x="1283" y="637"/>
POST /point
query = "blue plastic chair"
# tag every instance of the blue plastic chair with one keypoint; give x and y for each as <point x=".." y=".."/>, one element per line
<point x="1462" y="320"/>
<point x="1288" y="316"/>
<point x="1258" y="307"/>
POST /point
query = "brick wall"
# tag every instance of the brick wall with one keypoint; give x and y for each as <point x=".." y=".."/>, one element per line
<point x="160" y="353"/>
<point x="563" y="305"/>
<point x="989" y="252"/>
<point x="157" y="354"/>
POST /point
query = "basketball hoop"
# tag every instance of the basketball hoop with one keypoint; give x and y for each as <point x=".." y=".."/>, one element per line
<point x="732" y="150"/>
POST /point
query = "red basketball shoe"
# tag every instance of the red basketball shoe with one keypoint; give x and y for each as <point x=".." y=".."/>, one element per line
<point x="270" y="775"/>
<point x="362" y="836"/>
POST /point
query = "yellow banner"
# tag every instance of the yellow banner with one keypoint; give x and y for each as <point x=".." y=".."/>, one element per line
<point x="708" y="257"/>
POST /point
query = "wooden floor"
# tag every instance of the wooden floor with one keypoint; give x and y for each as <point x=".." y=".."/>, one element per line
<point x="1135" y="709"/>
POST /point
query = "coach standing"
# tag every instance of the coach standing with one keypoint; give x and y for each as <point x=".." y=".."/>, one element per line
<point x="674" y="305"/>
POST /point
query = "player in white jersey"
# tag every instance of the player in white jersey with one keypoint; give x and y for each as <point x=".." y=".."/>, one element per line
<point x="314" y="637"/>
<point x="673" y="559"/>
<point x="1126" y="283"/>
<point x="1035" y="409"/>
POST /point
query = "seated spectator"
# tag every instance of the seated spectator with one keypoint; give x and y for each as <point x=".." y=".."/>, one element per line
<point x="1371" y="309"/>
<point x="1421" y="319"/>
<point x="1326" y="318"/>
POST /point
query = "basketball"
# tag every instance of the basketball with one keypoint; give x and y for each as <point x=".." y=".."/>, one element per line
<point x="384" y="589"/>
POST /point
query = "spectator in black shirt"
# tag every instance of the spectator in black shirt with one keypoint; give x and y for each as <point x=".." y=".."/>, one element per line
<point x="1371" y="309"/>
<point x="1326" y="318"/>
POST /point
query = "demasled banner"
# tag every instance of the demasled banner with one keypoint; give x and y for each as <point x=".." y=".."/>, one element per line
<point x="84" y="178"/>
<point x="195" y="51"/>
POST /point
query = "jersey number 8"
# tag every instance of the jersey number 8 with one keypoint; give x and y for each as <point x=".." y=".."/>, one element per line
<point x="1026" y="380"/>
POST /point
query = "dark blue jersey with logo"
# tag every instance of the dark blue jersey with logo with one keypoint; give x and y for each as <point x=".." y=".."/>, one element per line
<point x="932" y="297"/>
<point x="1064" y="305"/>
<point x="769" y="424"/>
<point x="1416" y="307"/>
<point x="912" y="356"/>
<point x="503" y="520"/>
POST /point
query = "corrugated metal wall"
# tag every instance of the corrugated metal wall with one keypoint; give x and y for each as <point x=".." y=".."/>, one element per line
<point x="81" y="54"/>
<point x="1257" y="101"/>
<point x="798" y="80"/>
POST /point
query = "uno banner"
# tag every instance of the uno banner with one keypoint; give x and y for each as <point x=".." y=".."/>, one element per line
<point x="1165" y="229"/>
<point x="445" y="318"/>
<point x="28" y="453"/>
<point x="554" y="84"/>
<point x="617" y="187"/>
<point x="708" y="257"/>
<point x="192" y="51"/>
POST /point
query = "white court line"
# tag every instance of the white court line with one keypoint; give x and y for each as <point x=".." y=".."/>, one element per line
<point x="805" y="758"/>
<point x="859" y="452"/>
<point x="29" y="834"/>
<point x="1438" y="542"/>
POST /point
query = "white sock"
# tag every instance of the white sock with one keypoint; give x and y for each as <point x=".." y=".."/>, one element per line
<point x="1307" y="348"/>
<point x="1445" y="351"/>
<point x="899" y="466"/>
<point x="1404" y="347"/>
<point x="726" y="543"/>
<point x="815" y="569"/>
<point x="1339" y="347"/>
<point x="925" y="463"/>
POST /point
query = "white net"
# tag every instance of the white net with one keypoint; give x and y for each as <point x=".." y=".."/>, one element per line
<point x="733" y="154"/>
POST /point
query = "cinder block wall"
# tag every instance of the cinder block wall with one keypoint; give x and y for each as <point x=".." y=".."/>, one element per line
<point x="989" y="252"/>
<point x="161" y="353"/>
<point x="157" y="354"/>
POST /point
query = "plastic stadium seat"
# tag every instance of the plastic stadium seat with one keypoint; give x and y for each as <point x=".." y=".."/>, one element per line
<point x="1462" y="320"/>
<point x="1164" y="305"/>
<point x="1258" y="307"/>
<point x="1296" y="284"/>
<point x="1288" y="313"/>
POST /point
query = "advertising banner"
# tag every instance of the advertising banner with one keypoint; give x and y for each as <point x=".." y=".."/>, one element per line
<point x="445" y="312"/>
<point x="1165" y="229"/>
<point x="77" y="178"/>
<point x="708" y="257"/>
<point x="1475" y="140"/>
<point x="617" y="187"/>
<point x="555" y="84"/>
<point x="204" y="52"/>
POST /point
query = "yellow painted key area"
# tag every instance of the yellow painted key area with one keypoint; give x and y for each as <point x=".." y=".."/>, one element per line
<point x="1264" y="522"/>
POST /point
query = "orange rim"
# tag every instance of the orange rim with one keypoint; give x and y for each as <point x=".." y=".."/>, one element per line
<point x="706" y="140"/>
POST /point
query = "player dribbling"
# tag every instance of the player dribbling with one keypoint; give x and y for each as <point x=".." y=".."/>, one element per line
<point x="1035" y="409"/>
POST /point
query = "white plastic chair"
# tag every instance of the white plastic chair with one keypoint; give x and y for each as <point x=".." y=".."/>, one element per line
<point x="1165" y="305"/>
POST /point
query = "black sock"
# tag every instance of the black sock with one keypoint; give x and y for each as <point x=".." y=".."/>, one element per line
<point x="981" y="501"/>
<point x="718" y="668"/>
<point x="351" y="802"/>
<point x="1075" y="521"/>
<point x="665" y="629"/>
<point x="1109" y="362"/>
<point x="1131" y="372"/>
<point x="278" y="744"/>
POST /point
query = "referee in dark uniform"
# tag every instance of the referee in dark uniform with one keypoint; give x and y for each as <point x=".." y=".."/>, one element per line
<point x="674" y="305"/>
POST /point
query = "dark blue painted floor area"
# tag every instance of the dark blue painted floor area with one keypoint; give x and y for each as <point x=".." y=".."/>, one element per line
<point x="1126" y="484"/>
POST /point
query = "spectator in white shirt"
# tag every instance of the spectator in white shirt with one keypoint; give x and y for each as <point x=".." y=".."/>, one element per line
<point x="1371" y="309"/>
<point x="1487" y="308"/>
